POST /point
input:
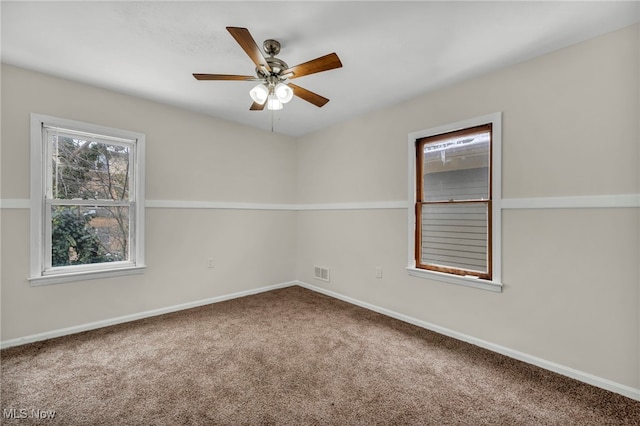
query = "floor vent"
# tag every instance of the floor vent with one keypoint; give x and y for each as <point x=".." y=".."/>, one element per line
<point x="320" y="273"/>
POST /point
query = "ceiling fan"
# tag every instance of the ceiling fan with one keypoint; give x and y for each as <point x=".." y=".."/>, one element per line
<point x="274" y="90"/>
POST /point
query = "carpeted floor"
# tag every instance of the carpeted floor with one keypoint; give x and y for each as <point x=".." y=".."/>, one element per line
<point x="287" y="357"/>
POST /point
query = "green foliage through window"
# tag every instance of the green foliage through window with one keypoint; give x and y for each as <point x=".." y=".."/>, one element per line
<point x="74" y="241"/>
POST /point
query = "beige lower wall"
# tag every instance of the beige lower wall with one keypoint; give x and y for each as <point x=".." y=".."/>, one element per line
<point x="572" y="282"/>
<point x="250" y="249"/>
<point x="570" y="294"/>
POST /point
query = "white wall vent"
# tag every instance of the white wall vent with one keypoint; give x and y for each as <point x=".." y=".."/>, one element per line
<point x="321" y="273"/>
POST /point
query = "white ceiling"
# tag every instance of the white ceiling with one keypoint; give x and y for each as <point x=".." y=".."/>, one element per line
<point x="391" y="51"/>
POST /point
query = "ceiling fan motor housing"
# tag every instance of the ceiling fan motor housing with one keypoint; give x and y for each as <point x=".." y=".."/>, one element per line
<point x="272" y="48"/>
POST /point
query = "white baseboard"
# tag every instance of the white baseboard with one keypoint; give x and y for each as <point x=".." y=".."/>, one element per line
<point x="600" y="382"/>
<point x="132" y="317"/>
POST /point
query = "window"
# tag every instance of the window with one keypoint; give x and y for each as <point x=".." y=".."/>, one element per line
<point x="453" y="202"/>
<point x="456" y="192"/>
<point x="87" y="201"/>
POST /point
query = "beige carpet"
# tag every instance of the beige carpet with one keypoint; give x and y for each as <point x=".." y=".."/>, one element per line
<point x="289" y="357"/>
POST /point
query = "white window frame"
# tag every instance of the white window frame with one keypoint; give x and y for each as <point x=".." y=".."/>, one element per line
<point x="495" y="284"/>
<point x="40" y="236"/>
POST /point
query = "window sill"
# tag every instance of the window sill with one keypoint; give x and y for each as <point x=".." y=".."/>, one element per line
<point x="494" y="286"/>
<point x="84" y="275"/>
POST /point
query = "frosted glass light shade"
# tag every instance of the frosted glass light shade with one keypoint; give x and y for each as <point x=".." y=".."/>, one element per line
<point x="273" y="103"/>
<point x="283" y="92"/>
<point x="259" y="93"/>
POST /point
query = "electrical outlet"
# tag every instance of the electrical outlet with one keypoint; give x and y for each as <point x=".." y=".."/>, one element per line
<point x="378" y="272"/>
<point x="210" y="262"/>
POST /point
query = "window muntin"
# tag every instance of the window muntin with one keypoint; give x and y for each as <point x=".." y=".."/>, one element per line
<point x="87" y="201"/>
<point x="453" y="202"/>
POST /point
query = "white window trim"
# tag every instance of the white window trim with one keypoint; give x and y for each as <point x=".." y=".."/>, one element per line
<point x="37" y="276"/>
<point x="495" y="284"/>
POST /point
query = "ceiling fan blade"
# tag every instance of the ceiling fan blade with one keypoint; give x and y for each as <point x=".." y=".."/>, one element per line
<point x="246" y="41"/>
<point x="308" y="95"/>
<point x="323" y="63"/>
<point x="225" y="77"/>
<point x="257" y="107"/>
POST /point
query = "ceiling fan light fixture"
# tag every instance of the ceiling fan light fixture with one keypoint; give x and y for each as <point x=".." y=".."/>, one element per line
<point x="273" y="103"/>
<point x="259" y="93"/>
<point x="283" y="92"/>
